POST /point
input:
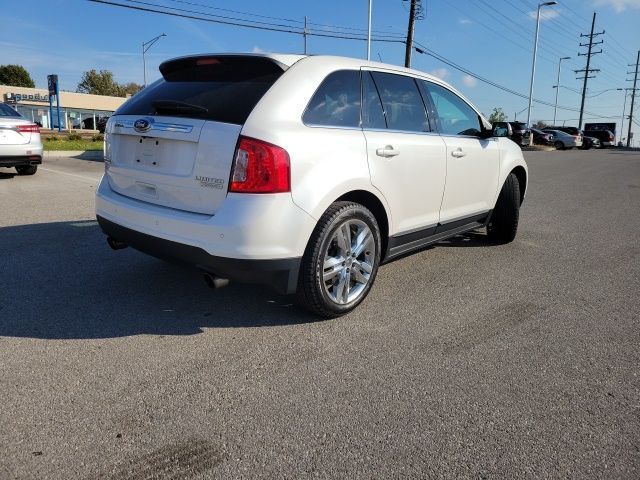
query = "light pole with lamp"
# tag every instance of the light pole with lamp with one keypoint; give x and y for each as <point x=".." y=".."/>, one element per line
<point x="533" y="66"/>
<point x="369" y="33"/>
<point x="145" y="47"/>
<point x="555" y="107"/>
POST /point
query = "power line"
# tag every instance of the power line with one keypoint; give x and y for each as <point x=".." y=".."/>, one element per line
<point x="148" y="7"/>
<point x="300" y="23"/>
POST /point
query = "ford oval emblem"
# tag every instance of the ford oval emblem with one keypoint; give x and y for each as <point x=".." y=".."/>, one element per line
<point x="142" y="125"/>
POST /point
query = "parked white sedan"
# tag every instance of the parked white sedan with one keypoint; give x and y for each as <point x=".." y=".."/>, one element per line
<point x="562" y="140"/>
<point x="20" y="143"/>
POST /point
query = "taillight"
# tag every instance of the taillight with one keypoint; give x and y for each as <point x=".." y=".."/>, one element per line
<point x="260" y="167"/>
<point x="610" y="138"/>
<point x="29" y="128"/>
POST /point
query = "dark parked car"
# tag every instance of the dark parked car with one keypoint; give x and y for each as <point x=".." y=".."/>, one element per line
<point x="541" y="138"/>
<point x="590" y="142"/>
<point x="87" y="124"/>
<point x="606" y="137"/>
<point x="520" y="133"/>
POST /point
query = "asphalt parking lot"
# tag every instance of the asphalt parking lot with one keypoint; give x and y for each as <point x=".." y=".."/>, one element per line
<point x="467" y="360"/>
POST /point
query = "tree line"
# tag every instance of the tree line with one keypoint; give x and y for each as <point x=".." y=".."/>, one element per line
<point x="93" y="82"/>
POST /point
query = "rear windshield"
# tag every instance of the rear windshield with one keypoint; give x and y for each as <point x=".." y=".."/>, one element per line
<point x="7" y="111"/>
<point x="223" y="89"/>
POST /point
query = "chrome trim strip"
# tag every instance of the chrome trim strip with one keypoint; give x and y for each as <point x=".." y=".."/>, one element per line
<point x="157" y="126"/>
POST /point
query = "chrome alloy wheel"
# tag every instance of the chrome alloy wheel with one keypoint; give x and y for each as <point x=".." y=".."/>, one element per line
<point x="348" y="261"/>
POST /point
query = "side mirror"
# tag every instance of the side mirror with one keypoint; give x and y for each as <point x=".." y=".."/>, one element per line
<point x="501" y="129"/>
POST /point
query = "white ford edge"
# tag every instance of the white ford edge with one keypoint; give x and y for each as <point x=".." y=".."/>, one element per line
<point x="303" y="173"/>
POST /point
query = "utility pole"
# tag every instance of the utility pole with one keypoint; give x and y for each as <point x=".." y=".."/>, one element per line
<point x="415" y="13"/>
<point x="305" y="32"/>
<point x="633" y="97"/>
<point x="588" y="70"/>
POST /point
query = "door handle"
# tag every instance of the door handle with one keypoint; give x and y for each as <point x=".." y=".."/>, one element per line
<point x="387" y="152"/>
<point x="458" y="153"/>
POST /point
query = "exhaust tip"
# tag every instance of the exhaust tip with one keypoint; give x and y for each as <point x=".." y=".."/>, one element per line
<point x="116" y="244"/>
<point x="215" y="282"/>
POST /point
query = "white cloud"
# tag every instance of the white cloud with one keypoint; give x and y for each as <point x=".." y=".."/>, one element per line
<point x="545" y="13"/>
<point x="441" y="73"/>
<point x="469" y="81"/>
<point x="618" y="5"/>
<point x="257" y="49"/>
<point x="464" y="21"/>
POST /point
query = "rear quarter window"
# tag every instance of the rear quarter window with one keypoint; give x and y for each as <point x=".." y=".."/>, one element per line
<point x="224" y="89"/>
<point x="336" y="102"/>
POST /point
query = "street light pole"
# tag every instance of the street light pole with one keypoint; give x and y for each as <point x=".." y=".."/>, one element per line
<point x="533" y="66"/>
<point x="555" y="107"/>
<point x="369" y="34"/>
<point x="145" y="47"/>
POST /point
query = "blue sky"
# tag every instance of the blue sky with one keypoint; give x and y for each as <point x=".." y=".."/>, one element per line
<point x="492" y="38"/>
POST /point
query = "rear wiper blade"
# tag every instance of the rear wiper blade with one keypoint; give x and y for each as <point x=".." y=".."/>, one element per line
<point x="173" y="106"/>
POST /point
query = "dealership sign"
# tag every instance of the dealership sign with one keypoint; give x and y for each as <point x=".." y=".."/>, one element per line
<point x="23" y="97"/>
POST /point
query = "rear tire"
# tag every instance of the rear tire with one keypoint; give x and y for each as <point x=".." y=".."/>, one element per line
<point x="27" y="170"/>
<point x="503" y="225"/>
<point x="341" y="261"/>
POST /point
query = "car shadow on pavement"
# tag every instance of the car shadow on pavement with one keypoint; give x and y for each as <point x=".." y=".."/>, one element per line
<point x="7" y="174"/>
<point x="62" y="281"/>
<point x="474" y="238"/>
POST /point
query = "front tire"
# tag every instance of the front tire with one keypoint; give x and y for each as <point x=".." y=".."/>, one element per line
<point x="27" y="169"/>
<point x="341" y="260"/>
<point x="503" y="225"/>
<point x="559" y="145"/>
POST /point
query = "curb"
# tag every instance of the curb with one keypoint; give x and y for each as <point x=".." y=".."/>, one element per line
<point x="540" y="148"/>
<point x="84" y="155"/>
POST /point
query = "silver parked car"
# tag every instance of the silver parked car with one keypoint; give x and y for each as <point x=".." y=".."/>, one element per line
<point x="20" y="144"/>
<point x="562" y="140"/>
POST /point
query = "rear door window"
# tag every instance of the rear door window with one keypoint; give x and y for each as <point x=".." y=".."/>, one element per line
<point x="224" y="89"/>
<point x="336" y="102"/>
<point x="403" y="106"/>
<point x="372" y="111"/>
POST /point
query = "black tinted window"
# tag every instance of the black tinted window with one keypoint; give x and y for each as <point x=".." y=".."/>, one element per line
<point x="402" y="103"/>
<point x="224" y="89"/>
<point x="372" y="112"/>
<point x="456" y="116"/>
<point x="7" y="111"/>
<point x="336" y="103"/>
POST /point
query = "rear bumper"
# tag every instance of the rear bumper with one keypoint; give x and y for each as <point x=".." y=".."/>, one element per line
<point x="20" y="160"/>
<point x="281" y="274"/>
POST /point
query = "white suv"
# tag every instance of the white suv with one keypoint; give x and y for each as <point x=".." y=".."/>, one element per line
<point x="304" y="173"/>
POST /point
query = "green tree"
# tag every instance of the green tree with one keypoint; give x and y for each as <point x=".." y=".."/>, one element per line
<point x="498" y="115"/>
<point x="131" y="88"/>
<point x="100" y="83"/>
<point x="16" y="76"/>
<point x="540" y="125"/>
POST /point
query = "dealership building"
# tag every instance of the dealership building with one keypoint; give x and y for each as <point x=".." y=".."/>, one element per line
<point x="77" y="110"/>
